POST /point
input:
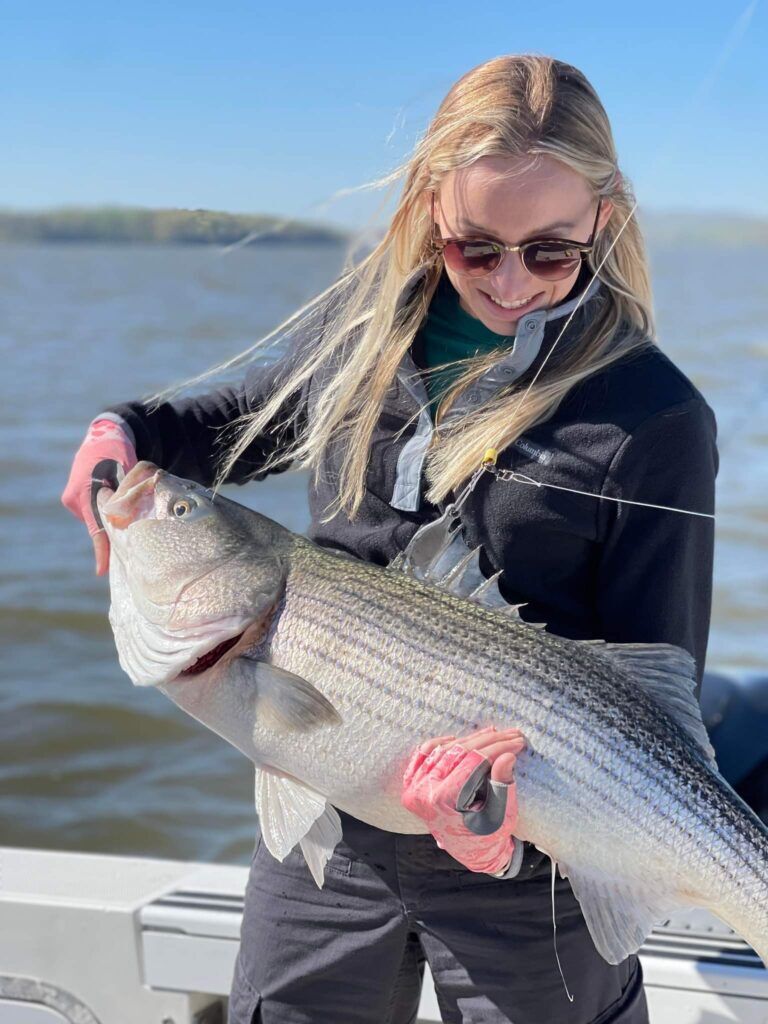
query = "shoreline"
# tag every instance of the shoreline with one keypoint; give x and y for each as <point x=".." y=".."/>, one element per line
<point x="125" y="225"/>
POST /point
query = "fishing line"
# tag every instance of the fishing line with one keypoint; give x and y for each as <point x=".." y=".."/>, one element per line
<point x="554" y="932"/>
<point x="734" y="37"/>
<point x="521" y="478"/>
<point x="575" y="309"/>
<point x="488" y="463"/>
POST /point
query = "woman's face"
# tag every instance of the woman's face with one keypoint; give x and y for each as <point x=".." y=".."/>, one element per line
<point x="514" y="200"/>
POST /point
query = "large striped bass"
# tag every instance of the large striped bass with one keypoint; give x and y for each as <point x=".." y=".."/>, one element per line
<point x="327" y="672"/>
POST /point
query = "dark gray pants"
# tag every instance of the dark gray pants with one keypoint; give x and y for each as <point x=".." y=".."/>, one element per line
<point x="353" y="952"/>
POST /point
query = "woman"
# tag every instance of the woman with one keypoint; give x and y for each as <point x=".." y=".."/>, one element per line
<point x="477" y="321"/>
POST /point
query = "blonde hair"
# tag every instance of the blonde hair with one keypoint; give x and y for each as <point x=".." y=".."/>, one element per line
<point x="518" y="105"/>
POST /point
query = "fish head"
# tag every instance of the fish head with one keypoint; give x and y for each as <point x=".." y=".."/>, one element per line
<point x="190" y="574"/>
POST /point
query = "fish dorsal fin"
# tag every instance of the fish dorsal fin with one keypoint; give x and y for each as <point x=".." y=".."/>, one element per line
<point x="290" y="813"/>
<point x="465" y="578"/>
<point x="666" y="674"/>
<point x="438" y="554"/>
<point x="488" y="594"/>
<point x="620" y="913"/>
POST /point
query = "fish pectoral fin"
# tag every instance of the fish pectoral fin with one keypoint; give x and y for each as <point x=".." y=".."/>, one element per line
<point x="290" y="813"/>
<point x="287" y="703"/>
<point x="620" y="913"/>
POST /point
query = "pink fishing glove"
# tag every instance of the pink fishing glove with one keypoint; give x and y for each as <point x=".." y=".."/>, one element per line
<point x="443" y="785"/>
<point x="104" y="440"/>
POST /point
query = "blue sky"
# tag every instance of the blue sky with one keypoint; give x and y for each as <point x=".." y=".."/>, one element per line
<point x="248" y="107"/>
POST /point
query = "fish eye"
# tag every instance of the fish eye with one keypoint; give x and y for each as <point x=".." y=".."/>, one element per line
<point x="182" y="507"/>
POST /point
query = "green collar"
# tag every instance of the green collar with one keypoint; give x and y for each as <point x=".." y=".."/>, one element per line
<point x="446" y="311"/>
<point x="450" y="334"/>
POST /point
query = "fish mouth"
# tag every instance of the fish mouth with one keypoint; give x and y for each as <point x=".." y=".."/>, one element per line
<point x="135" y="497"/>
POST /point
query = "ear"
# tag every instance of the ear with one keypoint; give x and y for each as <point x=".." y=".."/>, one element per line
<point x="606" y="209"/>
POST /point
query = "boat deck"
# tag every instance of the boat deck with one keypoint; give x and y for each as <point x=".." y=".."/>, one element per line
<point x="91" y="939"/>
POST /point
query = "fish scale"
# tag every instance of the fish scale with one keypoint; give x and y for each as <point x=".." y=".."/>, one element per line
<point x="611" y="724"/>
<point x="469" y="666"/>
<point x="465" y="662"/>
<point x="348" y="667"/>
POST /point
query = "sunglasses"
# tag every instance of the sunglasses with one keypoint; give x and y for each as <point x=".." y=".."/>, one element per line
<point x="550" y="259"/>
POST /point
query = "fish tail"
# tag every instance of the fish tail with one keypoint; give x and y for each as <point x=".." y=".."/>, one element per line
<point x="750" y="921"/>
<point x="757" y="937"/>
<point x="742" y="901"/>
<point x="758" y="940"/>
<point x="760" y="946"/>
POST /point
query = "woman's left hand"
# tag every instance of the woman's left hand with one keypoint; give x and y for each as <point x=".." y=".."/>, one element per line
<point x="432" y="789"/>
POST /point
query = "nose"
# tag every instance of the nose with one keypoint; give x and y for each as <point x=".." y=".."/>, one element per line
<point x="511" y="280"/>
<point x="135" y="497"/>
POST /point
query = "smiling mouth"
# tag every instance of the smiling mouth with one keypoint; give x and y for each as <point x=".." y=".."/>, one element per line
<point x="511" y="305"/>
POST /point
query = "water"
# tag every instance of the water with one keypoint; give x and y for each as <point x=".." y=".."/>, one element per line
<point x="90" y="763"/>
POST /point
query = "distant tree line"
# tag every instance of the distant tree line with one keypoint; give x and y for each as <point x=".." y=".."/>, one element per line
<point x="126" y="225"/>
<point x="707" y="227"/>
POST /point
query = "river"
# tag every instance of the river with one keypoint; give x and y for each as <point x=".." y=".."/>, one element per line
<point x="88" y="761"/>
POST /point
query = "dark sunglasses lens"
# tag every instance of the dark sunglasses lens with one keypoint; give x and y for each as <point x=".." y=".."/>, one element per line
<point x="550" y="261"/>
<point x="472" y="258"/>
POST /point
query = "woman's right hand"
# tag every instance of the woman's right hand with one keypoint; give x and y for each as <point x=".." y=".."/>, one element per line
<point x="105" y="440"/>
